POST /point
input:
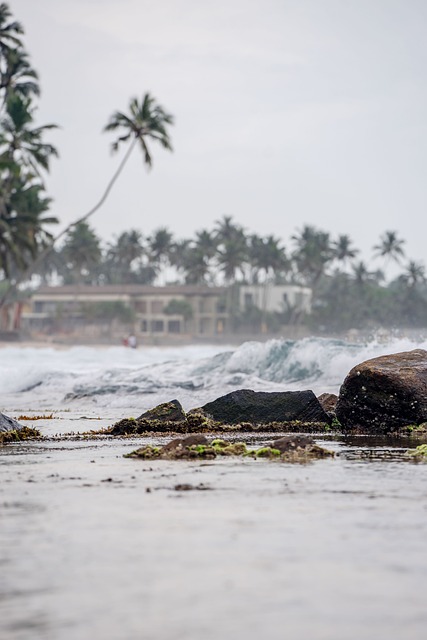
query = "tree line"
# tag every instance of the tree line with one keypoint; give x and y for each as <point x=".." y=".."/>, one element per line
<point x="347" y="291"/>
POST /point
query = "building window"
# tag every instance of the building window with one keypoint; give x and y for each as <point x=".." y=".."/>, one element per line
<point x="157" y="326"/>
<point x="144" y="326"/>
<point x="174" y="326"/>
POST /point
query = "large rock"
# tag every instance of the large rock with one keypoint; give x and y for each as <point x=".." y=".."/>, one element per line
<point x="259" y="407"/>
<point x="8" y="424"/>
<point x="385" y="393"/>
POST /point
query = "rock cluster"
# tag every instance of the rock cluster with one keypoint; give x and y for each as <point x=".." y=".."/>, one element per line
<point x="381" y="395"/>
<point x="242" y="410"/>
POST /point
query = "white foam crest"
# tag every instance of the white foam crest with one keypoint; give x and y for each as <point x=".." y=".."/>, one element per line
<point x="250" y="357"/>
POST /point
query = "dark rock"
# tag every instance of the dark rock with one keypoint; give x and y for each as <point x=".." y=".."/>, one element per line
<point x="185" y="442"/>
<point x="385" y="393"/>
<point x="259" y="407"/>
<point x="328" y="401"/>
<point x="288" y="443"/>
<point x="9" y="424"/>
<point x="168" y="411"/>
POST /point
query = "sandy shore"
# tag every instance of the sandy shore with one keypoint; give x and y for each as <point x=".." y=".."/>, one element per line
<point x="98" y="546"/>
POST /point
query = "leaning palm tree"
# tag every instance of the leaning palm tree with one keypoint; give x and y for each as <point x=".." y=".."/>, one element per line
<point x="146" y="121"/>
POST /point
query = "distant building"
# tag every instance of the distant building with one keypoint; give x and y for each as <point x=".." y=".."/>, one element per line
<point x="156" y="311"/>
<point x="107" y="312"/>
<point x="276" y="298"/>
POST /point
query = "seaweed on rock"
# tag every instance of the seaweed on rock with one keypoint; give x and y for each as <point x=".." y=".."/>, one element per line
<point x="199" y="448"/>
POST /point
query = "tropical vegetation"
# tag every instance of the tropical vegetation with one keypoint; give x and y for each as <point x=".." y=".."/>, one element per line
<point x="347" y="292"/>
<point x="24" y="155"/>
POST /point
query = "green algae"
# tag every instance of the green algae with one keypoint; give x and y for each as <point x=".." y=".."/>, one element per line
<point x="419" y="454"/>
<point x="265" y="452"/>
<point x="186" y="450"/>
<point x="147" y="453"/>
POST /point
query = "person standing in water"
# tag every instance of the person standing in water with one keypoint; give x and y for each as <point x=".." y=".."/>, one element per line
<point x="132" y="341"/>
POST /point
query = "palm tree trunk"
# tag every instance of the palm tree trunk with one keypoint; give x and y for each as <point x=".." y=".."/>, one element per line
<point x="42" y="255"/>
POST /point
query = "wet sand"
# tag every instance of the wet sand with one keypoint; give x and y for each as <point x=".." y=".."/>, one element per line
<point x="93" y="545"/>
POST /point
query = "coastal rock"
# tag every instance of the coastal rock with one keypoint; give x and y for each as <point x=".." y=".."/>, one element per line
<point x="8" y="424"/>
<point x="385" y="393"/>
<point x="328" y="402"/>
<point x="167" y="411"/>
<point x="289" y="443"/>
<point x="189" y="441"/>
<point x="260" y="407"/>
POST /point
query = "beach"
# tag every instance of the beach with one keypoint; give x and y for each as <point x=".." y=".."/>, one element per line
<point x="95" y="545"/>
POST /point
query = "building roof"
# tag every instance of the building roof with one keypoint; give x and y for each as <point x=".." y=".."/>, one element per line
<point x="129" y="289"/>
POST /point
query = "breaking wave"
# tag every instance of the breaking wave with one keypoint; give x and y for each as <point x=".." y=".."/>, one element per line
<point x="119" y="377"/>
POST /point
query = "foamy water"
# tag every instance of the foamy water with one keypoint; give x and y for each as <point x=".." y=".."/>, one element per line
<point x="116" y="377"/>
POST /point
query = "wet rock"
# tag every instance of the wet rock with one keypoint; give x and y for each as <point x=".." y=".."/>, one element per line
<point x="185" y="442"/>
<point x="383" y="394"/>
<point x="168" y="411"/>
<point x="288" y="443"/>
<point x="168" y="416"/>
<point x="259" y="407"/>
<point x="328" y="402"/>
<point x="9" y="424"/>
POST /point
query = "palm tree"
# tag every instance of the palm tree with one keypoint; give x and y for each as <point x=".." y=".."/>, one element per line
<point x="414" y="274"/>
<point x="313" y="253"/>
<point x="147" y="120"/>
<point x="20" y="143"/>
<point x="390" y="246"/>
<point x="232" y="255"/>
<point x="159" y="245"/>
<point x="82" y="254"/>
<point x="122" y="256"/>
<point x="9" y="31"/>
<point x="362" y="275"/>
<point x="18" y="76"/>
<point x="343" y="250"/>
<point x="232" y="247"/>
<point x="267" y="254"/>
<point x="23" y="225"/>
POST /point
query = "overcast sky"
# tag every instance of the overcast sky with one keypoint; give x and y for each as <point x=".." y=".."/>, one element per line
<point x="288" y="112"/>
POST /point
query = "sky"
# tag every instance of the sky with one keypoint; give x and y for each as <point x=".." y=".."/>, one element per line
<point x="287" y="112"/>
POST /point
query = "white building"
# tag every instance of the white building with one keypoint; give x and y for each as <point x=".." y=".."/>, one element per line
<point x="276" y="298"/>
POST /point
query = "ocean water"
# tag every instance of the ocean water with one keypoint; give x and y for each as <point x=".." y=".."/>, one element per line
<point x="97" y="546"/>
<point x="117" y="378"/>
